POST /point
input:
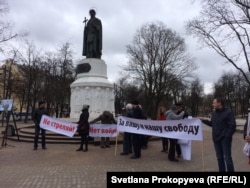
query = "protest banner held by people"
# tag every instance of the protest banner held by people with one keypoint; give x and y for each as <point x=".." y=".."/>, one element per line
<point x="105" y="118"/>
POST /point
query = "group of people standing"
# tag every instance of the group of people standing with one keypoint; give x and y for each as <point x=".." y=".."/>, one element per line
<point x="136" y="142"/>
<point x="170" y="145"/>
<point x="222" y="122"/>
<point x="105" y="118"/>
<point x="133" y="142"/>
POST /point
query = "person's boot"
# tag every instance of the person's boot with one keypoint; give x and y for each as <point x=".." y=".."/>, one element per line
<point x="80" y="148"/>
<point x="86" y="148"/>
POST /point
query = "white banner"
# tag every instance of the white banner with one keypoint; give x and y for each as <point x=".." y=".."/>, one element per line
<point x="58" y="126"/>
<point x="185" y="149"/>
<point x="189" y="129"/>
<point x="103" y="130"/>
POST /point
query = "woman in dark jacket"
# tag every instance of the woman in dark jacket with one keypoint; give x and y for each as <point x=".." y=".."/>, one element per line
<point x="83" y="128"/>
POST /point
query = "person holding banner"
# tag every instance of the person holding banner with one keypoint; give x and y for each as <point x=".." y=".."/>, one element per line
<point x="161" y="116"/>
<point x="137" y="139"/>
<point x="179" y="105"/>
<point x="174" y="113"/>
<point x="223" y="127"/>
<point x="83" y="128"/>
<point x="106" y="118"/>
<point x="36" y="117"/>
<point x="127" y="136"/>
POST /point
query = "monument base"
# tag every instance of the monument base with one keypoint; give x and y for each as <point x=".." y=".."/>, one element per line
<point x="91" y="87"/>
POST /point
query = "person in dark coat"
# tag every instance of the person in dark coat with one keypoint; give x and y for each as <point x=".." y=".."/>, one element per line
<point x="106" y="118"/>
<point x="83" y="128"/>
<point x="223" y="127"/>
<point x="36" y="117"/>
<point x="127" y="136"/>
<point x="137" y="139"/>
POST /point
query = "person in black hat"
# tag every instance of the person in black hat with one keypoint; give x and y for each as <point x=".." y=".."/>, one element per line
<point x="36" y="117"/>
<point x="83" y="128"/>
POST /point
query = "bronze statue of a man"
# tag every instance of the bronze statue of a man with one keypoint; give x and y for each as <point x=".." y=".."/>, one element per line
<point x="92" y="39"/>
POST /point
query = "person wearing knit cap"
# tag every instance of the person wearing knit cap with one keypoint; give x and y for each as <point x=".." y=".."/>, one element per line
<point x="174" y="113"/>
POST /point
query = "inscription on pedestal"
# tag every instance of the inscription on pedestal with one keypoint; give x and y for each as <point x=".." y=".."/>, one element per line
<point x="83" y="68"/>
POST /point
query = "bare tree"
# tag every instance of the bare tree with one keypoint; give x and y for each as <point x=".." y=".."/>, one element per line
<point x="124" y="92"/>
<point x="223" y="25"/>
<point x="5" y="26"/>
<point x="32" y="75"/>
<point x="234" y="87"/>
<point x="65" y="77"/>
<point x="158" y="58"/>
<point x="195" y="97"/>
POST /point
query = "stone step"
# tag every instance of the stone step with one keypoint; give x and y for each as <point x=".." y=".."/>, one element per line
<point x="26" y="134"/>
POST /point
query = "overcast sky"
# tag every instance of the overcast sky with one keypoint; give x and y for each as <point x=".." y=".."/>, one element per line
<point x="51" y="23"/>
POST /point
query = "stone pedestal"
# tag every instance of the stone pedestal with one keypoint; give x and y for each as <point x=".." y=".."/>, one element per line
<point x="91" y="87"/>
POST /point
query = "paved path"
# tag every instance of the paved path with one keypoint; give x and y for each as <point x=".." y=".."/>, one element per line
<point x="60" y="166"/>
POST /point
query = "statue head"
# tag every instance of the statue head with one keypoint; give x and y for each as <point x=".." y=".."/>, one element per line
<point x="92" y="13"/>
